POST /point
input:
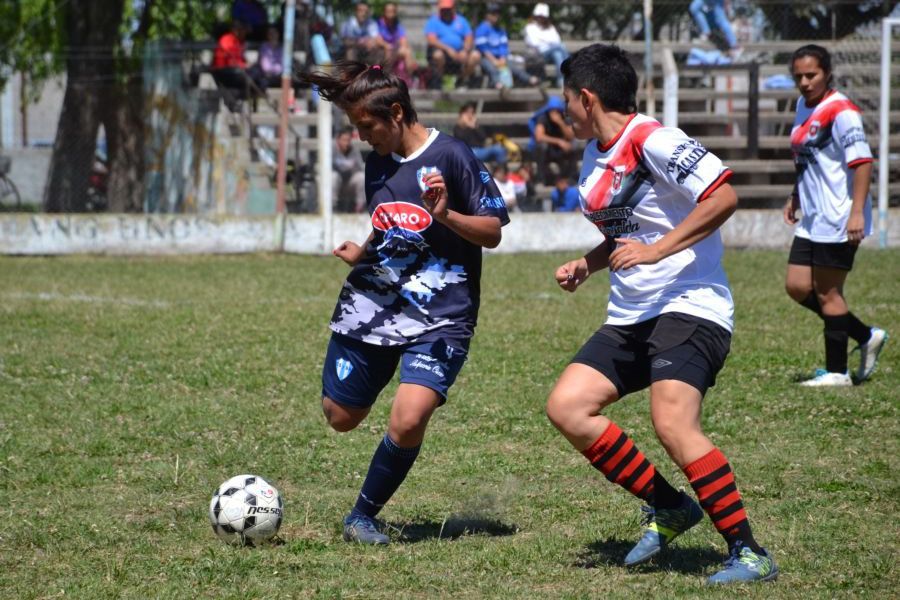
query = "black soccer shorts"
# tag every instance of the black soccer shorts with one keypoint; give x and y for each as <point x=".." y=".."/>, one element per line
<point x="671" y="346"/>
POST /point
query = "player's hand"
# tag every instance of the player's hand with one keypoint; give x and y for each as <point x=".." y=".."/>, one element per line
<point x="572" y="274"/>
<point x="856" y="228"/>
<point x="435" y="197"/>
<point x="564" y="145"/>
<point x="629" y="253"/>
<point x="790" y="209"/>
<point x="349" y="252"/>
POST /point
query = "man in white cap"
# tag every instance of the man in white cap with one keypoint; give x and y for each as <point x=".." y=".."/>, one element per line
<point x="543" y="39"/>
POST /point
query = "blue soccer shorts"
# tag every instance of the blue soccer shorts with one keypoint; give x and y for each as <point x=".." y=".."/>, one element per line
<point x="355" y="372"/>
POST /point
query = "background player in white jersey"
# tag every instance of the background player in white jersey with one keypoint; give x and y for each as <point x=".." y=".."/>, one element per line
<point x="834" y="168"/>
<point x="659" y="198"/>
<point x="411" y="299"/>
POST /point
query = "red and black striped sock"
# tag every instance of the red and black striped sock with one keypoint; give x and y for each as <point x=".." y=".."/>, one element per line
<point x="616" y="456"/>
<point x="712" y="479"/>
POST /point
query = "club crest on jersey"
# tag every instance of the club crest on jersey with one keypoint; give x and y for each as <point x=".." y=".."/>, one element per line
<point x="421" y="173"/>
<point x="343" y="368"/>
<point x="814" y="128"/>
<point x="618" y="177"/>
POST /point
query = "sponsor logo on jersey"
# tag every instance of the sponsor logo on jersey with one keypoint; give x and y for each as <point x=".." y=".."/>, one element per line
<point x="492" y="202"/>
<point x="401" y="215"/>
<point x="485" y="176"/>
<point x="343" y="368"/>
<point x="693" y="152"/>
<point x="421" y="173"/>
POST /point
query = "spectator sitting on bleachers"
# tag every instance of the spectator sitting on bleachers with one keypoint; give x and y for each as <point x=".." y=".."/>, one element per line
<point x="493" y="43"/>
<point x="229" y="67"/>
<point x="542" y="38"/>
<point x="467" y="130"/>
<point x="253" y="14"/>
<point x="521" y="179"/>
<point x="392" y="35"/>
<point x="450" y="45"/>
<point x="348" y="174"/>
<point x="711" y="13"/>
<point x="270" y="57"/>
<point x="564" y="197"/>
<point x="360" y="37"/>
<point x="506" y="186"/>
<point x="552" y="141"/>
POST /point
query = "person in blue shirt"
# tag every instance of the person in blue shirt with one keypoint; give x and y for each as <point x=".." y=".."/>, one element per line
<point x="493" y="44"/>
<point x="412" y="296"/>
<point x="450" y="44"/>
<point x="564" y="197"/>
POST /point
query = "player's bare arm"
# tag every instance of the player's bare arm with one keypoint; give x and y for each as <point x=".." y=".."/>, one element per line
<point x="483" y="231"/>
<point x="572" y="274"/>
<point x="708" y="216"/>
<point x="856" y="223"/>
<point x="351" y="252"/>
<point x="791" y="206"/>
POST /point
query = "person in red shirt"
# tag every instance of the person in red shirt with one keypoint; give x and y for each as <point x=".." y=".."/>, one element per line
<point x="229" y="67"/>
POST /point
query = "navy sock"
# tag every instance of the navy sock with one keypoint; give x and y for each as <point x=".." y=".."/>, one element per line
<point x="836" y="343"/>
<point x="388" y="469"/>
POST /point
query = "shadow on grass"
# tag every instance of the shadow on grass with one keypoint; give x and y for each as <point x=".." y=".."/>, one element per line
<point x="680" y="559"/>
<point x="456" y="526"/>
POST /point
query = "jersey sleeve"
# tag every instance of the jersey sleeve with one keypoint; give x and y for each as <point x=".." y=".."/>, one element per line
<point x="471" y="187"/>
<point x="850" y="134"/>
<point x="684" y="164"/>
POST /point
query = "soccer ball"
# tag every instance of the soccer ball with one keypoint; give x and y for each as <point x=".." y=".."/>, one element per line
<point x="246" y="510"/>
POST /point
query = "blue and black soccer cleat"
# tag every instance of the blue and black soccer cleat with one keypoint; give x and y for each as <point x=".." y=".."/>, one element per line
<point x="661" y="526"/>
<point x="364" y="530"/>
<point x="743" y="565"/>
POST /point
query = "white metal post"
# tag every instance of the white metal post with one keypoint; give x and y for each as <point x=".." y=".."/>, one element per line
<point x="648" y="56"/>
<point x="323" y="145"/>
<point x="884" y="130"/>
<point x="670" y="88"/>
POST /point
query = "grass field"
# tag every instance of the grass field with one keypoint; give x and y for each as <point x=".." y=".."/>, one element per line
<point x="130" y="388"/>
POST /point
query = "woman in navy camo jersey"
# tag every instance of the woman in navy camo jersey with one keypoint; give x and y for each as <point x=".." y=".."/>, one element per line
<point x="411" y="298"/>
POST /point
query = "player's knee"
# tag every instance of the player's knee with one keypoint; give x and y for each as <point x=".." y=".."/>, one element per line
<point x="798" y="293"/>
<point x="339" y="420"/>
<point x="563" y="408"/>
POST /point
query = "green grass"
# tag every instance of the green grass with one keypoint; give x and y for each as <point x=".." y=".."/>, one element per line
<point x="130" y="388"/>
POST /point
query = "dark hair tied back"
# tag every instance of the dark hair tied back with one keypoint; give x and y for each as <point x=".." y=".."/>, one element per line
<point x="352" y="84"/>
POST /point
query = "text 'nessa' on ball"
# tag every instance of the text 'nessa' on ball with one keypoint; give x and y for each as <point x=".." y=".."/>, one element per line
<point x="246" y="510"/>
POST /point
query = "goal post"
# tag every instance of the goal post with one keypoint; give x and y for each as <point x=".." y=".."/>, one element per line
<point x="884" y="129"/>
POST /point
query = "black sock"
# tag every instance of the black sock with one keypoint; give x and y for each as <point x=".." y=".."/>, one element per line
<point x="664" y="495"/>
<point x="812" y="303"/>
<point x="836" y="337"/>
<point x="859" y="331"/>
<point x="388" y="469"/>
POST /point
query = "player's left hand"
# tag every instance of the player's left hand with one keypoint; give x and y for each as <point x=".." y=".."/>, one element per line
<point x="435" y="197"/>
<point x="856" y="228"/>
<point x="630" y="252"/>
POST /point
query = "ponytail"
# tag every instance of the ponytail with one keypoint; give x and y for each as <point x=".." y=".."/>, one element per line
<point x="355" y="84"/>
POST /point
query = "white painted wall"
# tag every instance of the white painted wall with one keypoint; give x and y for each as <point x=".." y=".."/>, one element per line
<point x="42" y="234"/>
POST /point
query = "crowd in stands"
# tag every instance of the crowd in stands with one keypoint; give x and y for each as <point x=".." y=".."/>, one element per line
<point x="455" y="55"/>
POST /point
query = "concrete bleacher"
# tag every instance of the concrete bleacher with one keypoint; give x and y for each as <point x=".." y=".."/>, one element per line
<point x="712" y="105"/>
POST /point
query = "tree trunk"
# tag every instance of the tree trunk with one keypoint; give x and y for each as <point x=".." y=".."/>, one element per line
<point x="92" y="29"/>
<point x="124" y="125"/>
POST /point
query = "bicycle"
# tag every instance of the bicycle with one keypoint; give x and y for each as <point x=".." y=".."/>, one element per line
<point x="9" y="193"/>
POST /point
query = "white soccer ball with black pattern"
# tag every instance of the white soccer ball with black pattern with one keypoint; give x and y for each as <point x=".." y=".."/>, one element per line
<point x="246" y="510"/>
